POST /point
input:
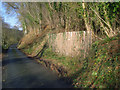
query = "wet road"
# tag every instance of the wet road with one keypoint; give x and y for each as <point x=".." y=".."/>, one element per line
<point x="22" y="72"/>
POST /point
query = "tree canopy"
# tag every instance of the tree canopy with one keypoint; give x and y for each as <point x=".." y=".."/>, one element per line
<point x="101" y="18"/>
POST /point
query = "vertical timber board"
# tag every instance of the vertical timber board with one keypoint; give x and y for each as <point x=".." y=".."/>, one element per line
<point x="71" y="43"/>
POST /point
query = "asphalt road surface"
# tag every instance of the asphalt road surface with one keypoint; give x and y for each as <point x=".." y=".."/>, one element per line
<point x="19" y="71"/>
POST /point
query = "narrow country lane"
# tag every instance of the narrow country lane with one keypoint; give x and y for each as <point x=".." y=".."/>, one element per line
<point x="20" y="71"/>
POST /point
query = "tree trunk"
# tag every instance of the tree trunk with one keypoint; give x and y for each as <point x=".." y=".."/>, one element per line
<point x="86" y="20"/>
<point x="111" y="32"/>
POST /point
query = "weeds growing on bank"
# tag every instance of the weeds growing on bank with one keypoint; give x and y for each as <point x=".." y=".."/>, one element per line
<point x="100" y="69"/>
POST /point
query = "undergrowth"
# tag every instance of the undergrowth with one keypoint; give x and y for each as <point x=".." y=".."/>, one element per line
<point x="103" y="65"/>
<point x="100" y="69"/>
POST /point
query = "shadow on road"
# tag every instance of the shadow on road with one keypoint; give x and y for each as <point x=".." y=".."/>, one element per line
<point x="23" y="72"/>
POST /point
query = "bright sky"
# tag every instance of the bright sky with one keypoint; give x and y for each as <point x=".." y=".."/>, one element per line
<point x="11" y="19"/>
